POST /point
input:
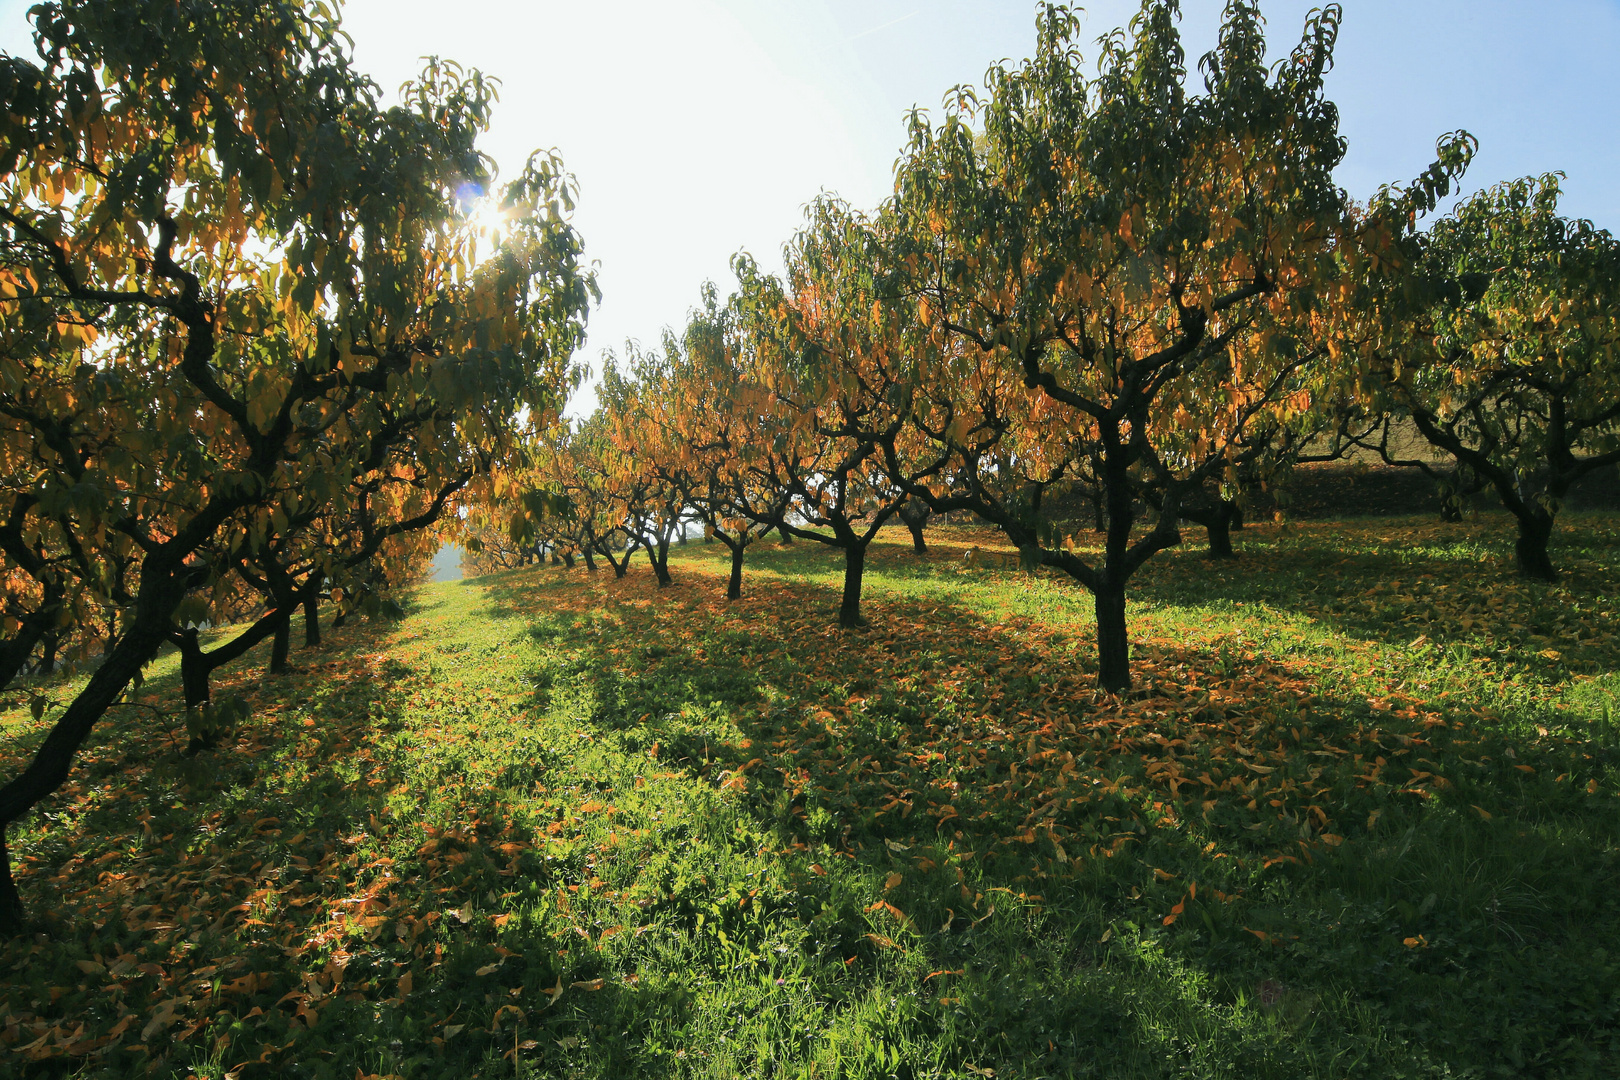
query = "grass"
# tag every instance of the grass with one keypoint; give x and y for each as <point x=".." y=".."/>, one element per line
<point x="1358" y="818"/>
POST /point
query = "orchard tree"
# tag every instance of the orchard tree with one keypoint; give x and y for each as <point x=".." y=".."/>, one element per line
<point x="230" y="279"/>
<point x="588" y="481"/>
<point x="833" y="349"/>
<point x="653" y="488"/>
<point x="711" y="419"/>
<point x="1150" y="259"/>
<point x="1498" y="343"/>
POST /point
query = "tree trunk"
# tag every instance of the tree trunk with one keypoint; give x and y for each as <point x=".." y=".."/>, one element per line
<point x="11" y="909"/>
<point x="734" y="583"/>
<point x="1531" y="549"/>
<point x="590" y="560"/>
<point x="14" y="656"/>
<point x="279" y="647"/>
<point x="918" y="545"/>
<point x="849" y="609"/>
<point x="1234" y="514"/>
<point x="194" y="669"/>
<point x="54" y="758"/>
<point x="49" y="642"/>
<point x="1113" y="645"/>
<point x="568" y="559"/>
<point x="658" y="557"/>
<point x="1219" y="527"/>
<point x="312" y="620"/>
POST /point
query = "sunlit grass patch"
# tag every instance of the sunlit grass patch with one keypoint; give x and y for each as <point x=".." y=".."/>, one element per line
<point x="558" y="824"/>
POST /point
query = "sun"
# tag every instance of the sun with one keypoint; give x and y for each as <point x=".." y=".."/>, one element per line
<point x="483" y="213"/>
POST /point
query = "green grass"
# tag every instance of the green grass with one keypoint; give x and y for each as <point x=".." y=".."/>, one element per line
<point x="1357" y="819"/>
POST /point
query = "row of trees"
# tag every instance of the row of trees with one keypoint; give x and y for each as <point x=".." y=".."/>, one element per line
<point x="251" y="355"/>
<point x="1109" y="283"/>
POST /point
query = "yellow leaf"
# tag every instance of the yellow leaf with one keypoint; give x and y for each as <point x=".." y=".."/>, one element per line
<point x="587" y="984"/>
<point x="893" y="881"/>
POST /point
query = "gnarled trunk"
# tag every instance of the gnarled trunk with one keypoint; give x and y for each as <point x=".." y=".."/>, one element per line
<point x="734" y="582"/>
<point x="195" y="669"/>
<point x="279" y="646"/>
<point x="849" y="608"/>
<point x="658" y="555"/>
<point x="1219" y="527"/>
<point x="11" y="907"/>
<point x="1113" y="644"/>
<point x="1530" y="551"/>
<point x="53" y="760"/>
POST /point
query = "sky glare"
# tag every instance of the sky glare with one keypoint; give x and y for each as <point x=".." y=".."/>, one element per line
<point x="697" y="128"/>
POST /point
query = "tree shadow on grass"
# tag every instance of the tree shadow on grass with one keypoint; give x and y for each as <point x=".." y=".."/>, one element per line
<point x="264" y="908"/>
<point x="1226" y="870"/>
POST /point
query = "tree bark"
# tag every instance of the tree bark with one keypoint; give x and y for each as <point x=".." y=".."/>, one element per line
<point x="1535" y="530"/>
<point x="312" y="620"/>
<point x="568" y="559"/>
<point x="14" y="656"/>
<point x="39" y="626"/>
<point x="1219" y="528"/>
<point x="279" y="647"/>
<point x="54" y="758"/>
<point x="49" y="643"/>
<point x="194" y="669"/>
<point x="11" y="908"/>
<point x="918" y="545"/>
<point x="660" y="561"/>
<point x="849" y="609"/>
<point x="590" y="560"/>
<point x="734" y="583"/>
<point x="1113" y="644"/>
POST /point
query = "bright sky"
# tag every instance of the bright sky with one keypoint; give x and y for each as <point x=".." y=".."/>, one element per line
<point x="700" y="127"/>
